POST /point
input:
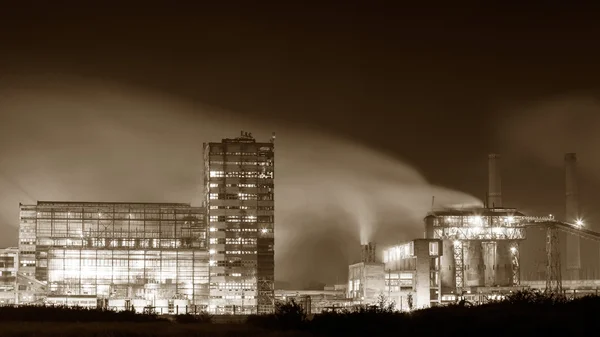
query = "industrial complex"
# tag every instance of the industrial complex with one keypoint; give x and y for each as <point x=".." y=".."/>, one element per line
<point x="173" y="258"/>
<point x="474" y="254"/>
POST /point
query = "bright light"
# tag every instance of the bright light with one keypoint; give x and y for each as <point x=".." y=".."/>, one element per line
<point x="212" y="263"/>
<point x="456" y="242"/>
<point x="213" y="229"/>
<point x="510" y="219"/>
<point x="211" y="252"/>
<point x="264" y="230"/>
<point x="476" y="220"/>
<point x="513" y="249"/>
<point x="579" y="222"/>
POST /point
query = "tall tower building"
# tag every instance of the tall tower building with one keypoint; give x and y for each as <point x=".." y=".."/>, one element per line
<point x="239" y="196"/>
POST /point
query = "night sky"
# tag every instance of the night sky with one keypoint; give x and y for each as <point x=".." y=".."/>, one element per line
<point x="113" y="104"/>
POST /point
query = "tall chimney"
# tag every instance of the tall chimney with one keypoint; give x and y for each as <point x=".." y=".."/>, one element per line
<point x="494" y="197"/>
<point x="572" y="214"/>
<point x="368" y="253"/>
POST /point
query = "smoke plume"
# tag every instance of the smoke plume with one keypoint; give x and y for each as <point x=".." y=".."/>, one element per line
<point x="69" y="139"/>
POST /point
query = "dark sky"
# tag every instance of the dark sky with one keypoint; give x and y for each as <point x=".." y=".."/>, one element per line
<point x="433" y="89"/>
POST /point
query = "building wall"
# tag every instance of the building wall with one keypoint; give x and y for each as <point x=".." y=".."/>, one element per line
<point x="9" y="265"/>
<point x="239" y="192"/>
<point x="115" y="250"/>
<point x="414" y="269"/>
<point x="366" y="282"/>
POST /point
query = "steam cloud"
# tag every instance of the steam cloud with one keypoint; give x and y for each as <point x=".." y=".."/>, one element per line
<point x="75" y="140"/>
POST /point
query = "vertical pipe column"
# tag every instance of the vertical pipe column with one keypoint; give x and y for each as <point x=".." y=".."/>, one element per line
<point x="474" y="264"/>
<point x="503" y="264"/>
<point x="572" y="215"/>
<point x="447" y="267"/>
<point x="489" y="256"/>
<point x="494" y="182"/>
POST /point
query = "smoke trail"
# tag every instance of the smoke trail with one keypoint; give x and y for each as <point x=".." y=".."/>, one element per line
<point x="100" y="141"/>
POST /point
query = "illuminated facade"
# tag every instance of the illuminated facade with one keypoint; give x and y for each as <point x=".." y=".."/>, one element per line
<point x="120" y="254"/>
<point x="9" y="265"/>
<point x="239" y="194"/>
<point x="412" y="270"/>
<point x="481" y="246"/>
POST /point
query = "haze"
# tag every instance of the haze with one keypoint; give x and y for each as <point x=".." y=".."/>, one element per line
<point x="105" y="142"/>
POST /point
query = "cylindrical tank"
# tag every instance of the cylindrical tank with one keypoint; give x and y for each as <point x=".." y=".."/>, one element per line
<point x="489" y="258"/>
<point x="447" y="265"/>
<point x="473" y="257"/>
<point x="181" y="306"/>
<point x="503" y="264"/>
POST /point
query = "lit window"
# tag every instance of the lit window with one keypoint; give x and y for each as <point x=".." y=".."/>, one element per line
<point x="434" y="248"/>
<point x="216" y="174"/>
<point x="214" y="185"/>
<point x="213" y="229"/>
<point x="213" y="196"/>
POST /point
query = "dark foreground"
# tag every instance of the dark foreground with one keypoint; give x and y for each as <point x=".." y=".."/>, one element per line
<point x="523" y="314"/>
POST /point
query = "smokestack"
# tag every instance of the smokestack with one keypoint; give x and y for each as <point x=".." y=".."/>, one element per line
<point x="368" y="253"/>
<point x="572" y="213"/>
<point x="494" y="197"/>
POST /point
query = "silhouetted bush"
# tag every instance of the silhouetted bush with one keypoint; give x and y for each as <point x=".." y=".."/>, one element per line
<point x="527" y="313"/>
<point x="70" y="314"/>
<point x="190" y="318"/>
<point x="288" y="316"/>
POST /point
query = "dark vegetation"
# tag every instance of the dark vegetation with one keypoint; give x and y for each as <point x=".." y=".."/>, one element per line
<point x="521" y="314"/>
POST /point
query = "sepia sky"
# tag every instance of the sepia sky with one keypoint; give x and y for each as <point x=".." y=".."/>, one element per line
<point x="376" y="110"/>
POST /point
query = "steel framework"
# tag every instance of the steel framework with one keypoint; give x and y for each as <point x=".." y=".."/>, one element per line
<point x="553" y="274"/>
<point x="516" y="267"/>
<point x="459" y="265"/>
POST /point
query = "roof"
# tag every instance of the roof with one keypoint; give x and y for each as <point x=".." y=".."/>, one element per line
<point x="104" y="204"/>
<point x="477" y="211"/>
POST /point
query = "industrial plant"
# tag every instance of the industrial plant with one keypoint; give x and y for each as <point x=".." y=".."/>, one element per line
<point x="174" y="258"/>
<point x="474" y="254"/>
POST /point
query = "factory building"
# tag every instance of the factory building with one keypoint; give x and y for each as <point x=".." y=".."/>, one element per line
<point x="9" y="267"/>
<point x="409" y="275"/>
<point x="118" y="255"/>
<point x="412" y="274"/>
<point x="239" y="197"/>
<point x="366" y="279"/>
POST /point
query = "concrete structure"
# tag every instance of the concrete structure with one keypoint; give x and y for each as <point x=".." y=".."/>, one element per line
<point x="239" y="196"/>
<point x="142" y="253"/>
<point x="9" y="267"/>
<point x="366" y="282"/>
<point x="413" y="271"/>
<point x="572" y="215"/>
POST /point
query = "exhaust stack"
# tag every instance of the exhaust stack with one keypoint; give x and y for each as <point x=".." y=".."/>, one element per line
<point x="572" y="214"/>
<point x="368" y="253"/>
<point x="494" y="197"/>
